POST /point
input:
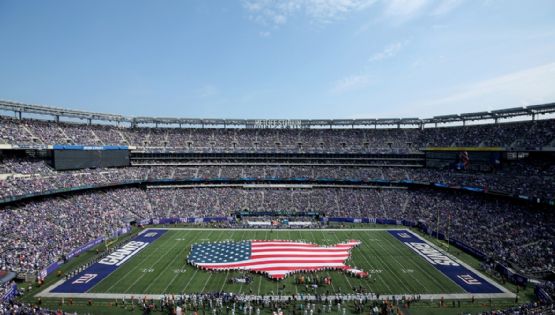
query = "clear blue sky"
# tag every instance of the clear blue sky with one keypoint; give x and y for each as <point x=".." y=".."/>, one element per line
<point x="278" y="59"/>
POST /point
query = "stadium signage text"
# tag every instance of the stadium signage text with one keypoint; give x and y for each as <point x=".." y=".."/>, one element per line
<point x="469" y="279"/>
<point x="85" y="278"/>
<point x="122" y="254"/>
<point x="432" y="255"/>
<point x="277" y="123"/>
<point x="88" y="147"/>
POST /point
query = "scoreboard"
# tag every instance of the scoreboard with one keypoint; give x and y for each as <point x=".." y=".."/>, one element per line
<point x="81" y="157"/>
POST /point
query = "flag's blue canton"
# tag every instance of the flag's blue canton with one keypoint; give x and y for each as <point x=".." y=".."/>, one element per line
<point x="224" y="252"/>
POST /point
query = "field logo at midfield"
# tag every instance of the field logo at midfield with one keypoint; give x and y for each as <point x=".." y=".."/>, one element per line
<point x="89" y="277"/>
<point x="462" y="275"/>
<point x="275" y="258"/>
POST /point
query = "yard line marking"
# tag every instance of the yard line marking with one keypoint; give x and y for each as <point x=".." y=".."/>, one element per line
<point x="296" y="286"/>
<point x="242" y="238"/>
<point x="152" y="266"/>
<point x="328" y="272"/>
<point x="207" y="281"/>
<point x="161" y="272"/>
<point x="225" y="280"/>
<point x="260" y="277"/>
<point x="183" y="267"/>
<point x="403" y="267"/>
<point x="391" y="250"/>
<point x="434" y="279"/>
<point x="187" y="285"/>
<point x="375" y="267"/>
<point x="227" y="272"/>
<point x="392" y="271"/>
<point x="343" y="273"/>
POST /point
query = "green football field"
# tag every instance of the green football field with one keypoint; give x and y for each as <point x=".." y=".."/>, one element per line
<point x="161" y="267"/>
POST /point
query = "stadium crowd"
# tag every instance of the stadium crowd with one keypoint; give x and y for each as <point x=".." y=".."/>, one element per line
<point x="28" y="176"/>
<point x="38" y="233"/>
<point x="229" y="303"/>
<point x="514" y="134"/>
<point x="510" y="233"/>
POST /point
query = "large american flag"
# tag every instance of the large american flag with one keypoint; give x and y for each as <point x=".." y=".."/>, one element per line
<point x="275" y="258"/>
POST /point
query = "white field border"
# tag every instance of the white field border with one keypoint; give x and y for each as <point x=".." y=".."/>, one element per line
<point x="451" y="296"/>
<point x="276" y="230"/>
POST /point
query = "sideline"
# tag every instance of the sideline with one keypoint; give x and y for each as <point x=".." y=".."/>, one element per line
<point x="278" y="230"/>
<point x="127" y="296"/>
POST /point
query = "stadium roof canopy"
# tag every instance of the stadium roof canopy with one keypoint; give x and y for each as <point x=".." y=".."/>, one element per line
<point x="528" y="111"/>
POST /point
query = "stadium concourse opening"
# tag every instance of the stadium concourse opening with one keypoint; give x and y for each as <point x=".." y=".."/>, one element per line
<point x="138" y="208"/>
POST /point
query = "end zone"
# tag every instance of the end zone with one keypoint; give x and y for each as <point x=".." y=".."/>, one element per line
<point x="88" y="278"/>
<point x="468" y="278"/>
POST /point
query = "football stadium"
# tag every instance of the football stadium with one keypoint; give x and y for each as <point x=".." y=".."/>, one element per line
<point x="133" y="206"/>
